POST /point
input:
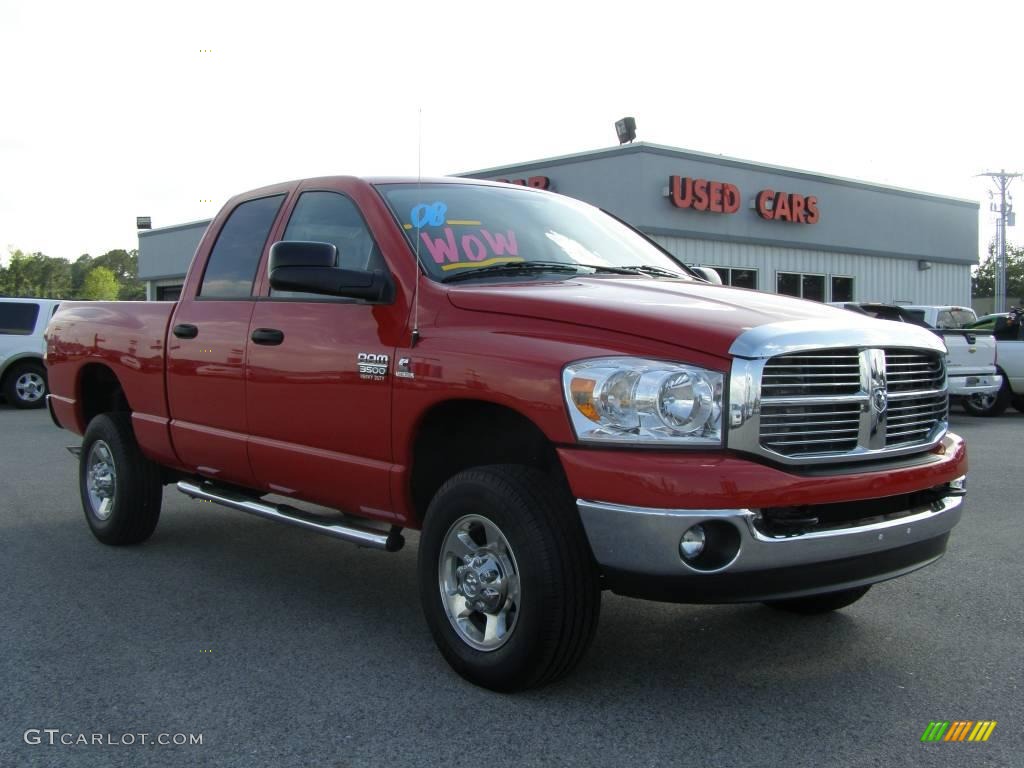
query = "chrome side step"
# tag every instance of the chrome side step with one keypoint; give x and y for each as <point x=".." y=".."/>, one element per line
<point x="365" y="537"/>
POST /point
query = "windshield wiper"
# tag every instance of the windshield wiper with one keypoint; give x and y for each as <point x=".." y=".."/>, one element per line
<point x="512" y="267"/>
<point x="647" y="269"/>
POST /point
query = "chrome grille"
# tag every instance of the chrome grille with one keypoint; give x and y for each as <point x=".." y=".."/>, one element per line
<point x="848" y="403"/>
<point x="790" y="429"/>
<point x="823" y="372"/>
<point x="911" y="420"/>
<point x="907" y="370"/>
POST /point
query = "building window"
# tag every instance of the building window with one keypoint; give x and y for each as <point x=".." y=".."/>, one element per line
<point x="842" y="288"/>
<point x="737" y="276"/>
<point x="168" y="292"/>
<point x="801" y="285"/>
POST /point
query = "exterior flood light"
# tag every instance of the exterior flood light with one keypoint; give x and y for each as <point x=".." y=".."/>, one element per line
<point x="626" y="130"/>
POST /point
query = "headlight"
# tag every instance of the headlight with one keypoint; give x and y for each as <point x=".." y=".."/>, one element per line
<point x="632" y="400"/>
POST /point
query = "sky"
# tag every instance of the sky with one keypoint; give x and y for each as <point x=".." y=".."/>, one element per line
<point x="112" y="110"/>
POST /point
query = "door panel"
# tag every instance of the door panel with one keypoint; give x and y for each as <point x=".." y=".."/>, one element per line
<point x="206" y="389"/>
<point x="315" y="424"/>
<point x="206" y="343"/>
<point x="319" y="429"/>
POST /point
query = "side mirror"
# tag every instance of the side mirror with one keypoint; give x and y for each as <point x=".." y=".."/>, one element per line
<point x="709" y="274"/>
<point x="309" y="268"/>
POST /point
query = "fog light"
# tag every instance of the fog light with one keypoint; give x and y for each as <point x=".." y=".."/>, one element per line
<point x="692" y="543"/>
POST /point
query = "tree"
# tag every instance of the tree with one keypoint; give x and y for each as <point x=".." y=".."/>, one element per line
<point x="100" y="285"/>
<point x="79" y="269"/>
<point x="125" y="266"/>
<point x="36" y="275"/>
<point x="983" y="281"/>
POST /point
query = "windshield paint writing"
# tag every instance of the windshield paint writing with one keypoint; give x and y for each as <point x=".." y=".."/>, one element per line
<point x="423" y="214"/>
<point x="461" y="227"/>
<point x="474" y="248"/>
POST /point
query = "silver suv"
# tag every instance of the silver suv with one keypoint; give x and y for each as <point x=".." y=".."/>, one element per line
<point x="22" y="373"/>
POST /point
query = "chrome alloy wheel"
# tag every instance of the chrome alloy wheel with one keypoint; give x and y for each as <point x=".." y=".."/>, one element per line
<point x="479" y="582"/>
<point x="982" y="400"/>
<point x="101" y="480"/>
<point x="30" y="387"/>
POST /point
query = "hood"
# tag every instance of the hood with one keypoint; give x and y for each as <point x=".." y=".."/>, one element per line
<point x="704" y="317"/>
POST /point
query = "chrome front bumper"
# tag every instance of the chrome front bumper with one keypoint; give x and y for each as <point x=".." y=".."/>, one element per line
<point x="961" y="386"/>
<point x="637" y="549"/>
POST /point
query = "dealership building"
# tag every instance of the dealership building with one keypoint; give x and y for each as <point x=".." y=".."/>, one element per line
<point x="760" y="226"/>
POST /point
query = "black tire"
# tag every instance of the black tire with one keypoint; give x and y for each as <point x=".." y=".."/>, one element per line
<point x="830" y="601"/>
<point x="559" y="596"/>
<point x="25" y="385"/>
<point x="1018" y="402"/>
<point x="136" y="492"/>
<point x="977" y="405"/>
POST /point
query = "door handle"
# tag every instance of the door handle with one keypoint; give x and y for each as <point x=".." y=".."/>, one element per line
<point x="185" y="331"/>
<point x="268" y="336"/>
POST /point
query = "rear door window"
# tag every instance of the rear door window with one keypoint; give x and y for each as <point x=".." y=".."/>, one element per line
<point x="18" y="318"/>
<point x="232" y="265"/>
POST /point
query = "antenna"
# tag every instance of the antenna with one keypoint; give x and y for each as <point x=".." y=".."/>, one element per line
<point x="419" y="184"/>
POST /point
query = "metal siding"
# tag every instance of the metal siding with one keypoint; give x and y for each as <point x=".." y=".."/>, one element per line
<point x="858" y="218"/>
<point x="876" y="278"/>
<point x="168" y="252"/>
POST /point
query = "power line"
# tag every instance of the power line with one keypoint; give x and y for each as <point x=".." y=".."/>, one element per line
<point x="1004" y="207"/>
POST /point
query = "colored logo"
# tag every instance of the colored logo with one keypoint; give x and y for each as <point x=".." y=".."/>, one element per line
<point x="958" y="730"/>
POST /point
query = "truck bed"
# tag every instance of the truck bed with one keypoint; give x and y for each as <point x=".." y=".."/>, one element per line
<point x="129" y="337"/>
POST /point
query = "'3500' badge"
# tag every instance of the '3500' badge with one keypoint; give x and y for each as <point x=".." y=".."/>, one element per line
<point x="372" y="367"/>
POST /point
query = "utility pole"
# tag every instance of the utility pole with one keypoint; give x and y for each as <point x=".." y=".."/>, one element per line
<point x="1004" y="208"/>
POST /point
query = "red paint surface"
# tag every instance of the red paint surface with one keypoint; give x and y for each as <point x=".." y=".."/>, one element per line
<point x="726" y="480"/>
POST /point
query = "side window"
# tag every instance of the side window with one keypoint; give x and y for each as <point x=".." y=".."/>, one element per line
<point x="18" y="318"/>
<point x="329" y="217"/>
<point x="945" y="320"/>
<point x="232" y="265"/>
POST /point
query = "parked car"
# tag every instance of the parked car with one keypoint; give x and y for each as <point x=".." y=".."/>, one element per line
<point x="943" y="316"/>
<point x="22" y="372"/>
<point x="1008" y="330"/>
<point x="554" y="400"/>
<point x="974" y="380"/>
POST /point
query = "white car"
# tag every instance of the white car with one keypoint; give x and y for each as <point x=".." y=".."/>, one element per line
<point x="1008" y="330"/>
<point x="22" y="372"/>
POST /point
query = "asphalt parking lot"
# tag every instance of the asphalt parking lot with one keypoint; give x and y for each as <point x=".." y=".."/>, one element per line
<point x="284" y="648"/>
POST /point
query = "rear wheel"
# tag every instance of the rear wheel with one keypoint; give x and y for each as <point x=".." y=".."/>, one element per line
<point x="507" y="582"/>
<point x="1018" y="402"/>
<point x="25" y="385"/>
<point x="994" y="404"/>
<point x="121" y="489"/>
<point x="830" y="601"/>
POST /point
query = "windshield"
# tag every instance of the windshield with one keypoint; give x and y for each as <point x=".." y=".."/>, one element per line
<point x="462" y="227"/>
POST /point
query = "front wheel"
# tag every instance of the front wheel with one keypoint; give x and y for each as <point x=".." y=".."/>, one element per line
<point x="25" y="385"/>
<point x="507" y="582"/>
<point x="989" y="404"/>
<point x="830" y="601"/>
<point x="121" y="489"/>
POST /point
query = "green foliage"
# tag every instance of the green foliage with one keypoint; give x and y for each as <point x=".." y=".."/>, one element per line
<point x="983" y="281"/>
<point x="125" y="266"/>
<point x="100" y="284"/>
<point x="41" y="276"/>
<point x="35" y="274"/>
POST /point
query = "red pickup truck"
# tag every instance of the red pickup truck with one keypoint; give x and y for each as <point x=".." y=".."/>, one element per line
<point x="552" y="399"/>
